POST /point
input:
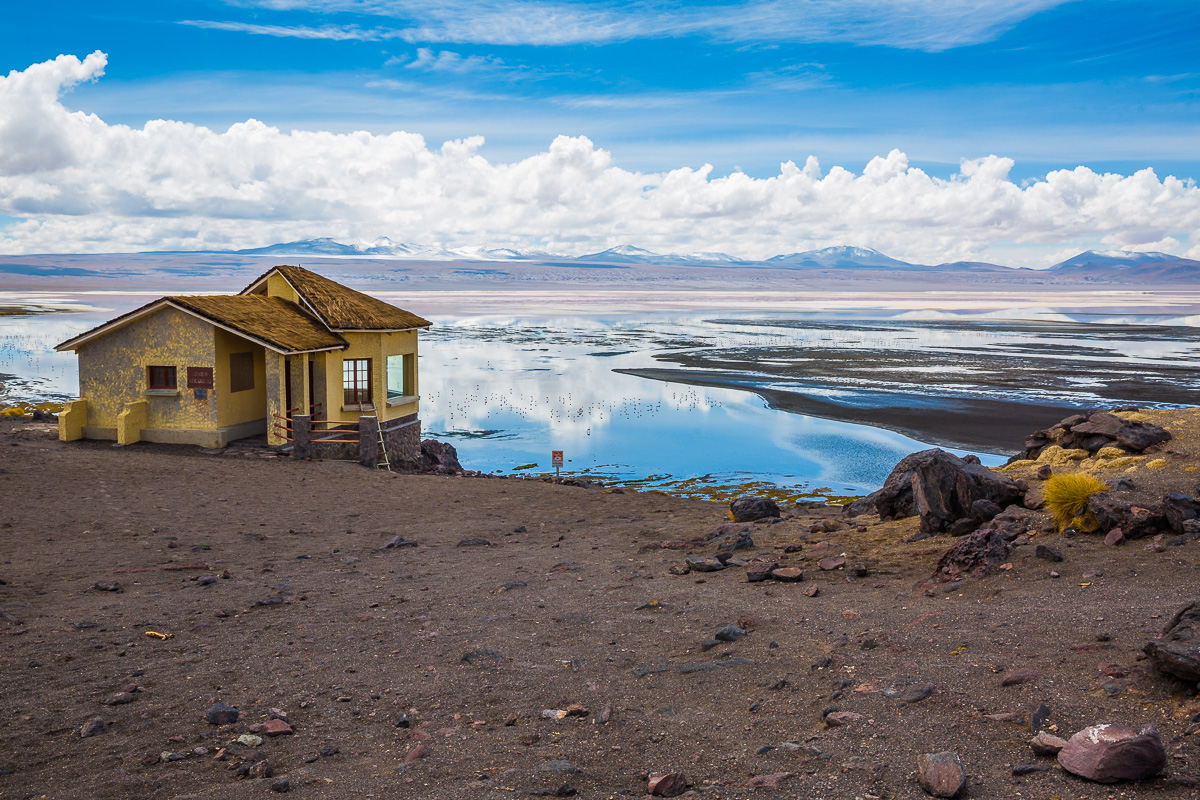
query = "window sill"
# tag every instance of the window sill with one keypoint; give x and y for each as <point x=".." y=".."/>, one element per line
<point x="161" y="393"/>
<point x="359" y="407"/>
<point x="403" y="400"/>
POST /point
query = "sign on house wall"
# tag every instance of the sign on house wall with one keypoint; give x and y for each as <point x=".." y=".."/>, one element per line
<point x="199" y="378"/>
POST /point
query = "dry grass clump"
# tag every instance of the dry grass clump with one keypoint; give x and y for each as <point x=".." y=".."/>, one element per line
<point x="1067" y="499"/>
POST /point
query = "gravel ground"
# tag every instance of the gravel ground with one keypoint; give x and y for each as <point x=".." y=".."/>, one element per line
<point x="571" y="604"/>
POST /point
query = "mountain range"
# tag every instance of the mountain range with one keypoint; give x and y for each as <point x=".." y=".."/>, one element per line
<point x="1146" y="265"/>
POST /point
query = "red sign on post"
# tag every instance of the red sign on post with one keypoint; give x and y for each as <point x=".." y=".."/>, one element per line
<point x="556" y="459"/>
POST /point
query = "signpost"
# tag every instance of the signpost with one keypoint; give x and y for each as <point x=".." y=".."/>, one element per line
<point x="557" y="459"/>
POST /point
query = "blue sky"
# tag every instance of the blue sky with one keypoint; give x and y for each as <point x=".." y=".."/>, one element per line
<point x="1109" y="84"/>
<point x="742" y="86"/>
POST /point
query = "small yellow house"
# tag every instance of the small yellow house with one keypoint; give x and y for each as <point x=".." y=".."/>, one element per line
<point x="294" y="356"/>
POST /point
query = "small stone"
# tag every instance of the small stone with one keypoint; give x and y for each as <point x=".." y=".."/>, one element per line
<point x="669" y="785"/>
<point x="398" y="541"/>
<point x="788" y="574"/>
<point x="1047" y="744"/>
<point x="283" y="786"/>
<point x="941" y="774"/>
<point x="273" y="727"/>
<point x="120" y="699"/>
<point x="249" y="740"/>
<point x="107" y="586"/>
<point x="837" y="719"/>
<point x="1030" y="767"/>
<point x="1112" y="753"/>
<point x="761" y="571"/>
<point x="730" y="633"/>
<point x="221" y="714"/>
<point x="277" y="713"/>
<point x="329" y="750"/>
<point x="775" y="780"/>
<point x="709" y="644"/>
<point x="749" y="509"/>
<point x="474" y="542"/>
<point x="1016" y="677"/>
<point x="560" y="766"/>
<point x="1045" y="551"/>
<point x="831" y="563"/>
<point x="420" y="751"/>
<point x="604" y="714"/>
<point x="916" y="693"/>
<point x="1114" y="537"/>
<point x="1044" y="472"/>
<point x="1038" y="717"/>
<point x="93" y="727"/>
<point x="262" y="769"/>
<point x="704" y="564"/>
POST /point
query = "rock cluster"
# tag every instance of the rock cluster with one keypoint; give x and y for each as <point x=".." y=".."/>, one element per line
<point x="1092" y="431"/>
<point x="950" y="494"/>
<point x="437" y="457"/>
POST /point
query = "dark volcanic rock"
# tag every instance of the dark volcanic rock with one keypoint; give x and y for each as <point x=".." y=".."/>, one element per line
<point x="973" y="555"/>
<point x="734" y="541"/>
<point x="1111" y="753"/>
<point x="436" y="457"/>
<point x="1092" y="431"/>
<point x="1135" y="522"/>
<point x="221" y="714"/>
<point x="748" y="509"/>
<point x="93" y="727"/>
<point x="943" y="489"/>
<point x="1177" y="650"/>
<point x="1178" y="508"/>
<point x="1047" y="552"/>
<point x="941" y="774"/>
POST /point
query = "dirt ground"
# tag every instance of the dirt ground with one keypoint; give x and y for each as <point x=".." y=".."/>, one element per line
<point x="571" y="604"/>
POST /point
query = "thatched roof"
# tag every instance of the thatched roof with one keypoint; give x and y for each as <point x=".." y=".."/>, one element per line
<point x="275" y="321"/>
<point x="340" y="307"/>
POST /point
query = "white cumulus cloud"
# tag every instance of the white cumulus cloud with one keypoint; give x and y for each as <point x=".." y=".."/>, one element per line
<point x="77" y="183"/>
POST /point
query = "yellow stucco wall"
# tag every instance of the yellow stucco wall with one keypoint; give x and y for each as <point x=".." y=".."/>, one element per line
<point x="277" y="286"/>
<point x="249" y="404"/>
<point x="377" y="347"/>
<point x="113" y="371"/>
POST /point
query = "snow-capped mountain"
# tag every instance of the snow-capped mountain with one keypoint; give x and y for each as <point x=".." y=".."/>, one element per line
<point x="628" y="254"/>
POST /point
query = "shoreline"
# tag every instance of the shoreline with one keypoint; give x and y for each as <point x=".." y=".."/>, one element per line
<point x="956" y="423"/>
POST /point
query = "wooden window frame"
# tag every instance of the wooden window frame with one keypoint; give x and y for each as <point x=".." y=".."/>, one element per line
<point x="162" y="378"/>
<point x="356" y="392"/>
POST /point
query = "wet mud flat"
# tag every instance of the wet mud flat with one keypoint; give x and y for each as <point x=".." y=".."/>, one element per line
<point x="977" y="386"/>
<point x="426" y="669"/>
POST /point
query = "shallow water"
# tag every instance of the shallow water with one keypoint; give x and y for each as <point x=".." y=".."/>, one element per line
<point x="507" y="391"/>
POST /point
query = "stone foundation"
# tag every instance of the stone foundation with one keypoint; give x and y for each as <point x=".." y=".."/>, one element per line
<point x="403" y="438"/>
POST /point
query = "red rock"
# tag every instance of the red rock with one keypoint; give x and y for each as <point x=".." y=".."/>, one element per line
<point x="420" y="751"/>
<point x="839" y="718"/>
<point x="832" y="563"/>
<point x="668" y="785"/>
<point x="941" y="774"/>
<point x="775" y="780"/>
<point x="93" y="727"/>
<point x="760" y="572"/>
<point x="275" y="727"/>
<point x="576" y="710"/>
<point x="417" y="736"/>
<point x="1018" y="676"/>
<point x="1115" y="537"/>
<point x="1111" y="753"/>
<point x="812" y="590"/>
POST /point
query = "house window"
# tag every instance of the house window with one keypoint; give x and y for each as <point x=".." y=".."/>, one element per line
<point x="162" y="378"/>
<point x="241" y="372"/>
<point x="356" y="380"/>
<point x="401" y="375"/>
